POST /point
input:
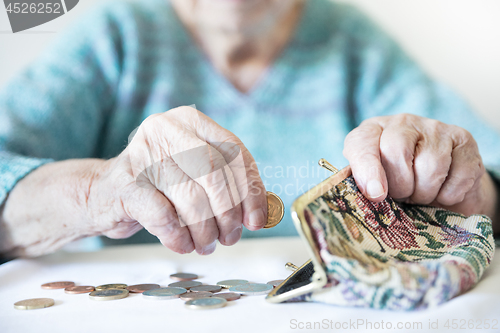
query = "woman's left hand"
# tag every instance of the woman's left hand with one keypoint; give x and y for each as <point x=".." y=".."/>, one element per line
<point x="420" y="161"/>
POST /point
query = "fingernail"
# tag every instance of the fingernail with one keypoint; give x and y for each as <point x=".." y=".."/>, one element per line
<point x="374" y="189"/>
<point x="233" y="237"/>
<point x="256" y="218"/>
<point x="209" y="249"/>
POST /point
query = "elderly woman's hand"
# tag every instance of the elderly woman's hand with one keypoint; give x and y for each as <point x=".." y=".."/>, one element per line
<point x="421" y="161"/>
<point x="182" y="177"/>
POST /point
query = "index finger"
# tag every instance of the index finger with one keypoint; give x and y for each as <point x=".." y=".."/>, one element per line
<point x="362" y="150"/>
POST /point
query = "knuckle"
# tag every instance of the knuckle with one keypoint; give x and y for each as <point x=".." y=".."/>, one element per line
<point x="182" y="111"/>
<point x="370" y="121"/>
<point x="151" y="121"/>
<point x="404" y="119"/>
<point x="387" y="148"/>
<point x="450" y="199"/>
<point x="463" y="137"/>
<point x="436" y="126"/>
<point x="397" y="151"/>
<point x="465" y="134"/>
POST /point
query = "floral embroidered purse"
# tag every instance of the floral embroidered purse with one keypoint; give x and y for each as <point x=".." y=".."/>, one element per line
<point x="385" y="255"/>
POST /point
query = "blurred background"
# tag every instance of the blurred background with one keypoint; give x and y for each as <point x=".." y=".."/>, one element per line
<point x="456" y="41"/>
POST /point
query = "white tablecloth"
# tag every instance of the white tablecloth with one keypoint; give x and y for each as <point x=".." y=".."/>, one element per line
<point x="258" y="260"/>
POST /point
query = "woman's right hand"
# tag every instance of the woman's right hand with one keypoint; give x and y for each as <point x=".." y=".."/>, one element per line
<point x="185" y="179"/>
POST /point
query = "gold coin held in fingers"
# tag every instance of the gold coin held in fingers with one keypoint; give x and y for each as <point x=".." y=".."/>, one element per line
<point x="34" y="303"/>
<point x="275" y="210"/>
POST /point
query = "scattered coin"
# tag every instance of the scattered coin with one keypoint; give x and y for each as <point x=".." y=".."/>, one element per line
<point x="140" y="288"/>
<point x="209" y="288"/>
<point x="108" y="294"/>
<point x="231" y="283"/>
<point x="183" y="276"/>
<point x="228" y="296"/>
<point x="199" y="294"/>
<point x="164" y="293"/>
<point x="185" y="284"/>
<point x="34" y="303"/>
<point x="58" y="285"/>
<point x="275" y="210"/>
<point x="252" y="289"/>
<point x="111" y="286"/>
<point x="206" y="303"/>
<point x="79" y="290"/>
<point x="275" y="283"/>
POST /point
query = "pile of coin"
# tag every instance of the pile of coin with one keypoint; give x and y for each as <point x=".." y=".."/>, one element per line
<point x="195" y="294"/>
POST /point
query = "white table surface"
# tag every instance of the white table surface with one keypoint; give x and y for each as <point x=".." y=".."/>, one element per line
<point x="257" y="260"/>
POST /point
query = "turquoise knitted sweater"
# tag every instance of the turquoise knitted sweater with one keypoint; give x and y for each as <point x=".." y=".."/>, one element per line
<point x="127" y="60"/>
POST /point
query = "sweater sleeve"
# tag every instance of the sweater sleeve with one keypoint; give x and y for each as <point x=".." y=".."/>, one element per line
<point x="389" y="82"/>
<point x="56" y="108"/>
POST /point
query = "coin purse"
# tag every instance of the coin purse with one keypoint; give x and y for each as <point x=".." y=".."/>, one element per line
<point x="385" y="255"/>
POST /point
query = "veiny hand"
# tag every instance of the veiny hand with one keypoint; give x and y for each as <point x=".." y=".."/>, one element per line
<point x="421" y="161"/>
<point x="169" y="180"/>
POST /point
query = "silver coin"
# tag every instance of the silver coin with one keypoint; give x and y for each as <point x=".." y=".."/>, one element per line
<point x="252" y="289"/>
<point x="183" y="276"/>
<point x="231" y="283"/>
<point x="108" y="294"/>
<point x="164" y="293"/>
<point x="206" y="303"/>
<point x="275" y="283"/>
<point x="185" y="284"/>
<point x="209" y="288"/>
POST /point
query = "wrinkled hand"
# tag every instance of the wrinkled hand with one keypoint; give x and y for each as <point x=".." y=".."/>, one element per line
<point x="420" y="161"/>
<point x="185" y="179"/>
